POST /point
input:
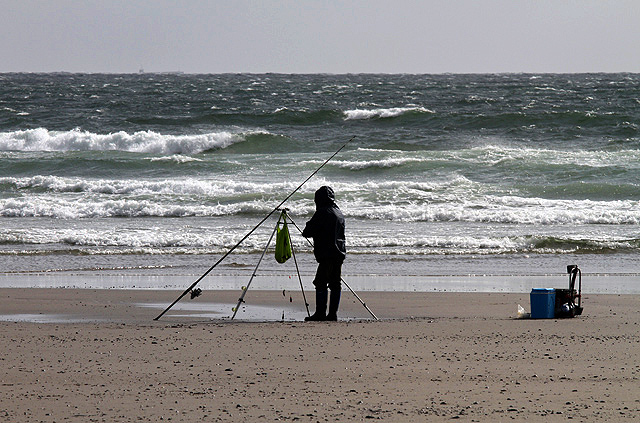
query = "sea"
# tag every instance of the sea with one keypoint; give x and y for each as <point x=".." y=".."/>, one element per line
<point x="482" y="182"/>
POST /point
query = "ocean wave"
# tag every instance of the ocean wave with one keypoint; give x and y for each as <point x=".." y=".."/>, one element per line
<point x="551" y="244"/>
<point x="131" y="241"/>
<point x="500" y="157"/>
<point x="501" y="210"/>
<point x="495" y="153"/>
<point x="361" y="114"/>
<point x="102" y="250"/>
<point x="149" y="142"/>
<point x="63" y="208"/>
<point x="227" y="189"/>
<point x="463" y="245"/>
<point x="184" y="241"/>
<point x="176" y="158"/>
<point x="186" y="186"/>
<point x="418" y="202"/>
<point x="380" y="164"/>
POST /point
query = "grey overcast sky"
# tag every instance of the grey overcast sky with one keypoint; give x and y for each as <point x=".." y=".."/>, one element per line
<point x="313" y="36"/>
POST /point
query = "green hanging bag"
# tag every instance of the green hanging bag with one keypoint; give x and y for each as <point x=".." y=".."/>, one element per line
<point x="283" y="244"/>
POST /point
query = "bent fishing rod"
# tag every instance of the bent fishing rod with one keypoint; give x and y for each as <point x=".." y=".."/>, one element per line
<point x="193" y="285"/>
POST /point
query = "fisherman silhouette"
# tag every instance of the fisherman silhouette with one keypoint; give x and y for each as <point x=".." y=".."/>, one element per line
<point x="326" y="227"/>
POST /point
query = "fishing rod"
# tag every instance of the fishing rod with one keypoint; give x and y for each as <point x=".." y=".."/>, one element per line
<point x="193" y="285"/>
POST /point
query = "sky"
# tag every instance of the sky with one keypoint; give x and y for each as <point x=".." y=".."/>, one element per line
<point x="313" y="36"/>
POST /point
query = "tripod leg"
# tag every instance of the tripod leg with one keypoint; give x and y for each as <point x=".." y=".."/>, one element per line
<point x="361" y="302"/>
<point x="244" y="291"/>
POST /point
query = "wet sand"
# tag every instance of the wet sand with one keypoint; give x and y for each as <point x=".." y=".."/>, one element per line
<point x="431" y="357"/>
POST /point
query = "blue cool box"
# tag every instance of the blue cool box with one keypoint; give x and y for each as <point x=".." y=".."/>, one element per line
<point x="543" y="303"/>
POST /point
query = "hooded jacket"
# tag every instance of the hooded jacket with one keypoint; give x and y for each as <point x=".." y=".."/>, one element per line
<point x="326" y="227"/>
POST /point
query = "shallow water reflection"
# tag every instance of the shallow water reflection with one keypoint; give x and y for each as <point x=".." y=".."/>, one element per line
<point x="225" y="311"/>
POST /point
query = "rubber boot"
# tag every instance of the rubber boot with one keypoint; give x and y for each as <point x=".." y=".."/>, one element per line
<point x="333" y="305"/>
<point x="321" y="307"/>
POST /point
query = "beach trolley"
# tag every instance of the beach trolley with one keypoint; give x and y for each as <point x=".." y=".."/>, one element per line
<point x="566" y="305"/>
<point x="547" y="303"/>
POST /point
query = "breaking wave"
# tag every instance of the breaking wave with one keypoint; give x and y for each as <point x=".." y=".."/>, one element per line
<point x="360" y="114"/>
<point x="188" y="241"/>
<point x="451" y="200"/>
<point x="188" y="186"/>
<point x="149" y="142"/>
<point x="485" y="212"/>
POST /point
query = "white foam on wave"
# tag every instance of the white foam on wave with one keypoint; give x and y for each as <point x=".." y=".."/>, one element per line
<point x="70" y="208"/>
<point x="177" y="158"/>
<point x="177" y="186"/>
<point x="449" y="199"/>
<point x="490" y="155"/>
<point x="495" y="154"/>
<point x="454" y="244"/>
<point x="185" y="239"/>
<point x="482" y="245"/>
<point x="434" y="207"/>
<point x="413" y="211"/>
<point x="129" y="238"/>
<point x="181" y="239"/>
<point x="150" y="142"/>
<point x="360" y="114"/>
<point x="379" y="150"/>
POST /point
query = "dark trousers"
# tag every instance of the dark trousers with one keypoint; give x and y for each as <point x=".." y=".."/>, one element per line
<point x="328" y="275"/>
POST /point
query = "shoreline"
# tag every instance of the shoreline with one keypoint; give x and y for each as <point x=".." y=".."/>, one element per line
<point x="141" y="306"/>
<point x="431" y="356"/>
<point x="593" y="283"/>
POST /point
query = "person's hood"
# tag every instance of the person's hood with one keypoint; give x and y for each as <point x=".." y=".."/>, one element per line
<point x="324" y="196"/>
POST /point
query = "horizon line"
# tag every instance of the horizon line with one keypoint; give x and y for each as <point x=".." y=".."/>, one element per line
<point x="315" y="73"/>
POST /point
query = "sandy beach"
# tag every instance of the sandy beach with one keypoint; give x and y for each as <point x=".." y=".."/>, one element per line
<point x="430" y="357"/>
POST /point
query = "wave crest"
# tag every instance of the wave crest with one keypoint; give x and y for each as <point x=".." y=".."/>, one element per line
<point x="150" y="142"/>
<point x="362" y="114"/>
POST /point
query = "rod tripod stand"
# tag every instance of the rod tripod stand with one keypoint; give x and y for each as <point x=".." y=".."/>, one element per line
<point x="283" y="220"/>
